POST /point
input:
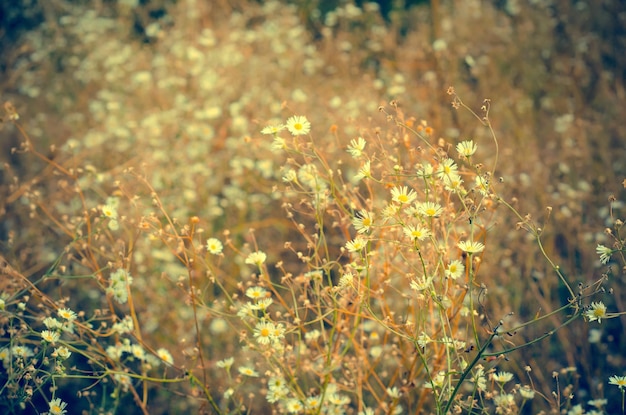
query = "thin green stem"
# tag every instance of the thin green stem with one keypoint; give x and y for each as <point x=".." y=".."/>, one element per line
<point x="469" y="368"/>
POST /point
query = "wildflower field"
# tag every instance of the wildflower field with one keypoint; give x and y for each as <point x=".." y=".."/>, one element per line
<point x="313" y="207"/>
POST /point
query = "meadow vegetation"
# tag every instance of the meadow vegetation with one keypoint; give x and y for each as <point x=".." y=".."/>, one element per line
<point x="261" y="207"/>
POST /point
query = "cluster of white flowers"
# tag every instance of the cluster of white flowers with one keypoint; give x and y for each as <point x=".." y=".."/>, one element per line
<point x="135" y="351"/>
<point x="279" y="391"/>
<point x="119" y="285"/>
<point x="109" y="211"/>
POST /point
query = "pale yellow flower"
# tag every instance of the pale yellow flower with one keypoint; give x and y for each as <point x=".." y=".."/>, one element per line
<point x="165" y="355"/>
<point x="298" y="125"/>
<point x="214" y="246"/>
<point x="502" y="377"/>
<point x="50" y="336"/>
<point x="429" y="209"/>
<point x="466" y="148"/>
<point x="402" y="195"/>
<point x="272" y="129"/>
<point x="356" y="244"/>
<point x="471" y="247"/>
<point x="596" y="311"/>
<point x="416" y="232"/>
<point x="363" y="221"/>
<point x="256" y="258"/>
<point x="455" y="269"/>
<point x="356" y="147"/>
<point x="619" y="381"/>
<point x="365" y="171"/>
<point x="57" y="407"/>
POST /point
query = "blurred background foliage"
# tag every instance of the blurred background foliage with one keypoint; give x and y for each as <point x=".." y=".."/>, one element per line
<point x="554" y="70"/>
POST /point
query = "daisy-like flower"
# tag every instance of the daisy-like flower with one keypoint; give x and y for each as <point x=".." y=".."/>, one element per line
<point x="228" y="393"/>
<point x="455" y="269"/>
<point x="62" y="353"/>
<point x="67" y="314"/>
<point x="393" y="393"/>
<point x="50" y="336"/>
<point x="263" y="332"/>
<point x="120" y="276"/>
<point x="52" y="323"/>
<point x="356" y="147"/>
<point x="4" y="356"/>
<point x="576" y="410"/>
<point x="294" y="406"/>
<point x="421" y="283"/>
<point x="118" y="285"/>
<point x="619" y="381"/>
<point x="247" y="310"/>
<point x="109" y="211"/>
<point x="278" y="389"/>
<point x="248" y="371"/>
<point x="256" y="293"/>
<point x="276" y="395"/>
<point x="138" y="352"/>
<point x="278" y="333"/>
<point x="482" y="185"/>
<point x="298" y="125"/>
<point x="453" y="343"/>
<point x="402" y="195"/>
<point x="57" y="407"/>
<point x="313" y="402"/>
<point x="22" y="351"/>
<point x="214" y="246"/>
<point x="262" y="304"/>
<point x="290" y="176"/>
<point x="277" y="383"/>
<point x="604" y="252"/>
<point x="527" y="393"/>
<point x="471" y="247"/>
<point x="272" y="129"/>
<point x="466" y="148"/>
<point x="356" y="244"/>
<point x="165" y="355"/>
<point x="453" y="182"/>
<point x="363" y="221"/>
<point x="429" y="209"/>
<point x="278" y="144"/>
<point x="447" y="168"/>
<point x="115" y="352"/>
<point x="390" y="211"/>
<point x="346" y="280"/>
<point x="437" y="381"/>
<point x="416" y="232"/>
<point x="256" y="258"/>
<point x="425" y="170"/>
<point x="124" y="326"/>
<point x="364" y="171"/>
<point x="479" y="378"/>
<point x="596" y="311"/>
<point x="113" y="225"/>
<point x="597" y="403"/>
<point x="226" y="364"/>
<point x="504" y="403"/>
<point x="337" y="399"/>
<point x="123" y="380"/>
<point x="502" y="377"/>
